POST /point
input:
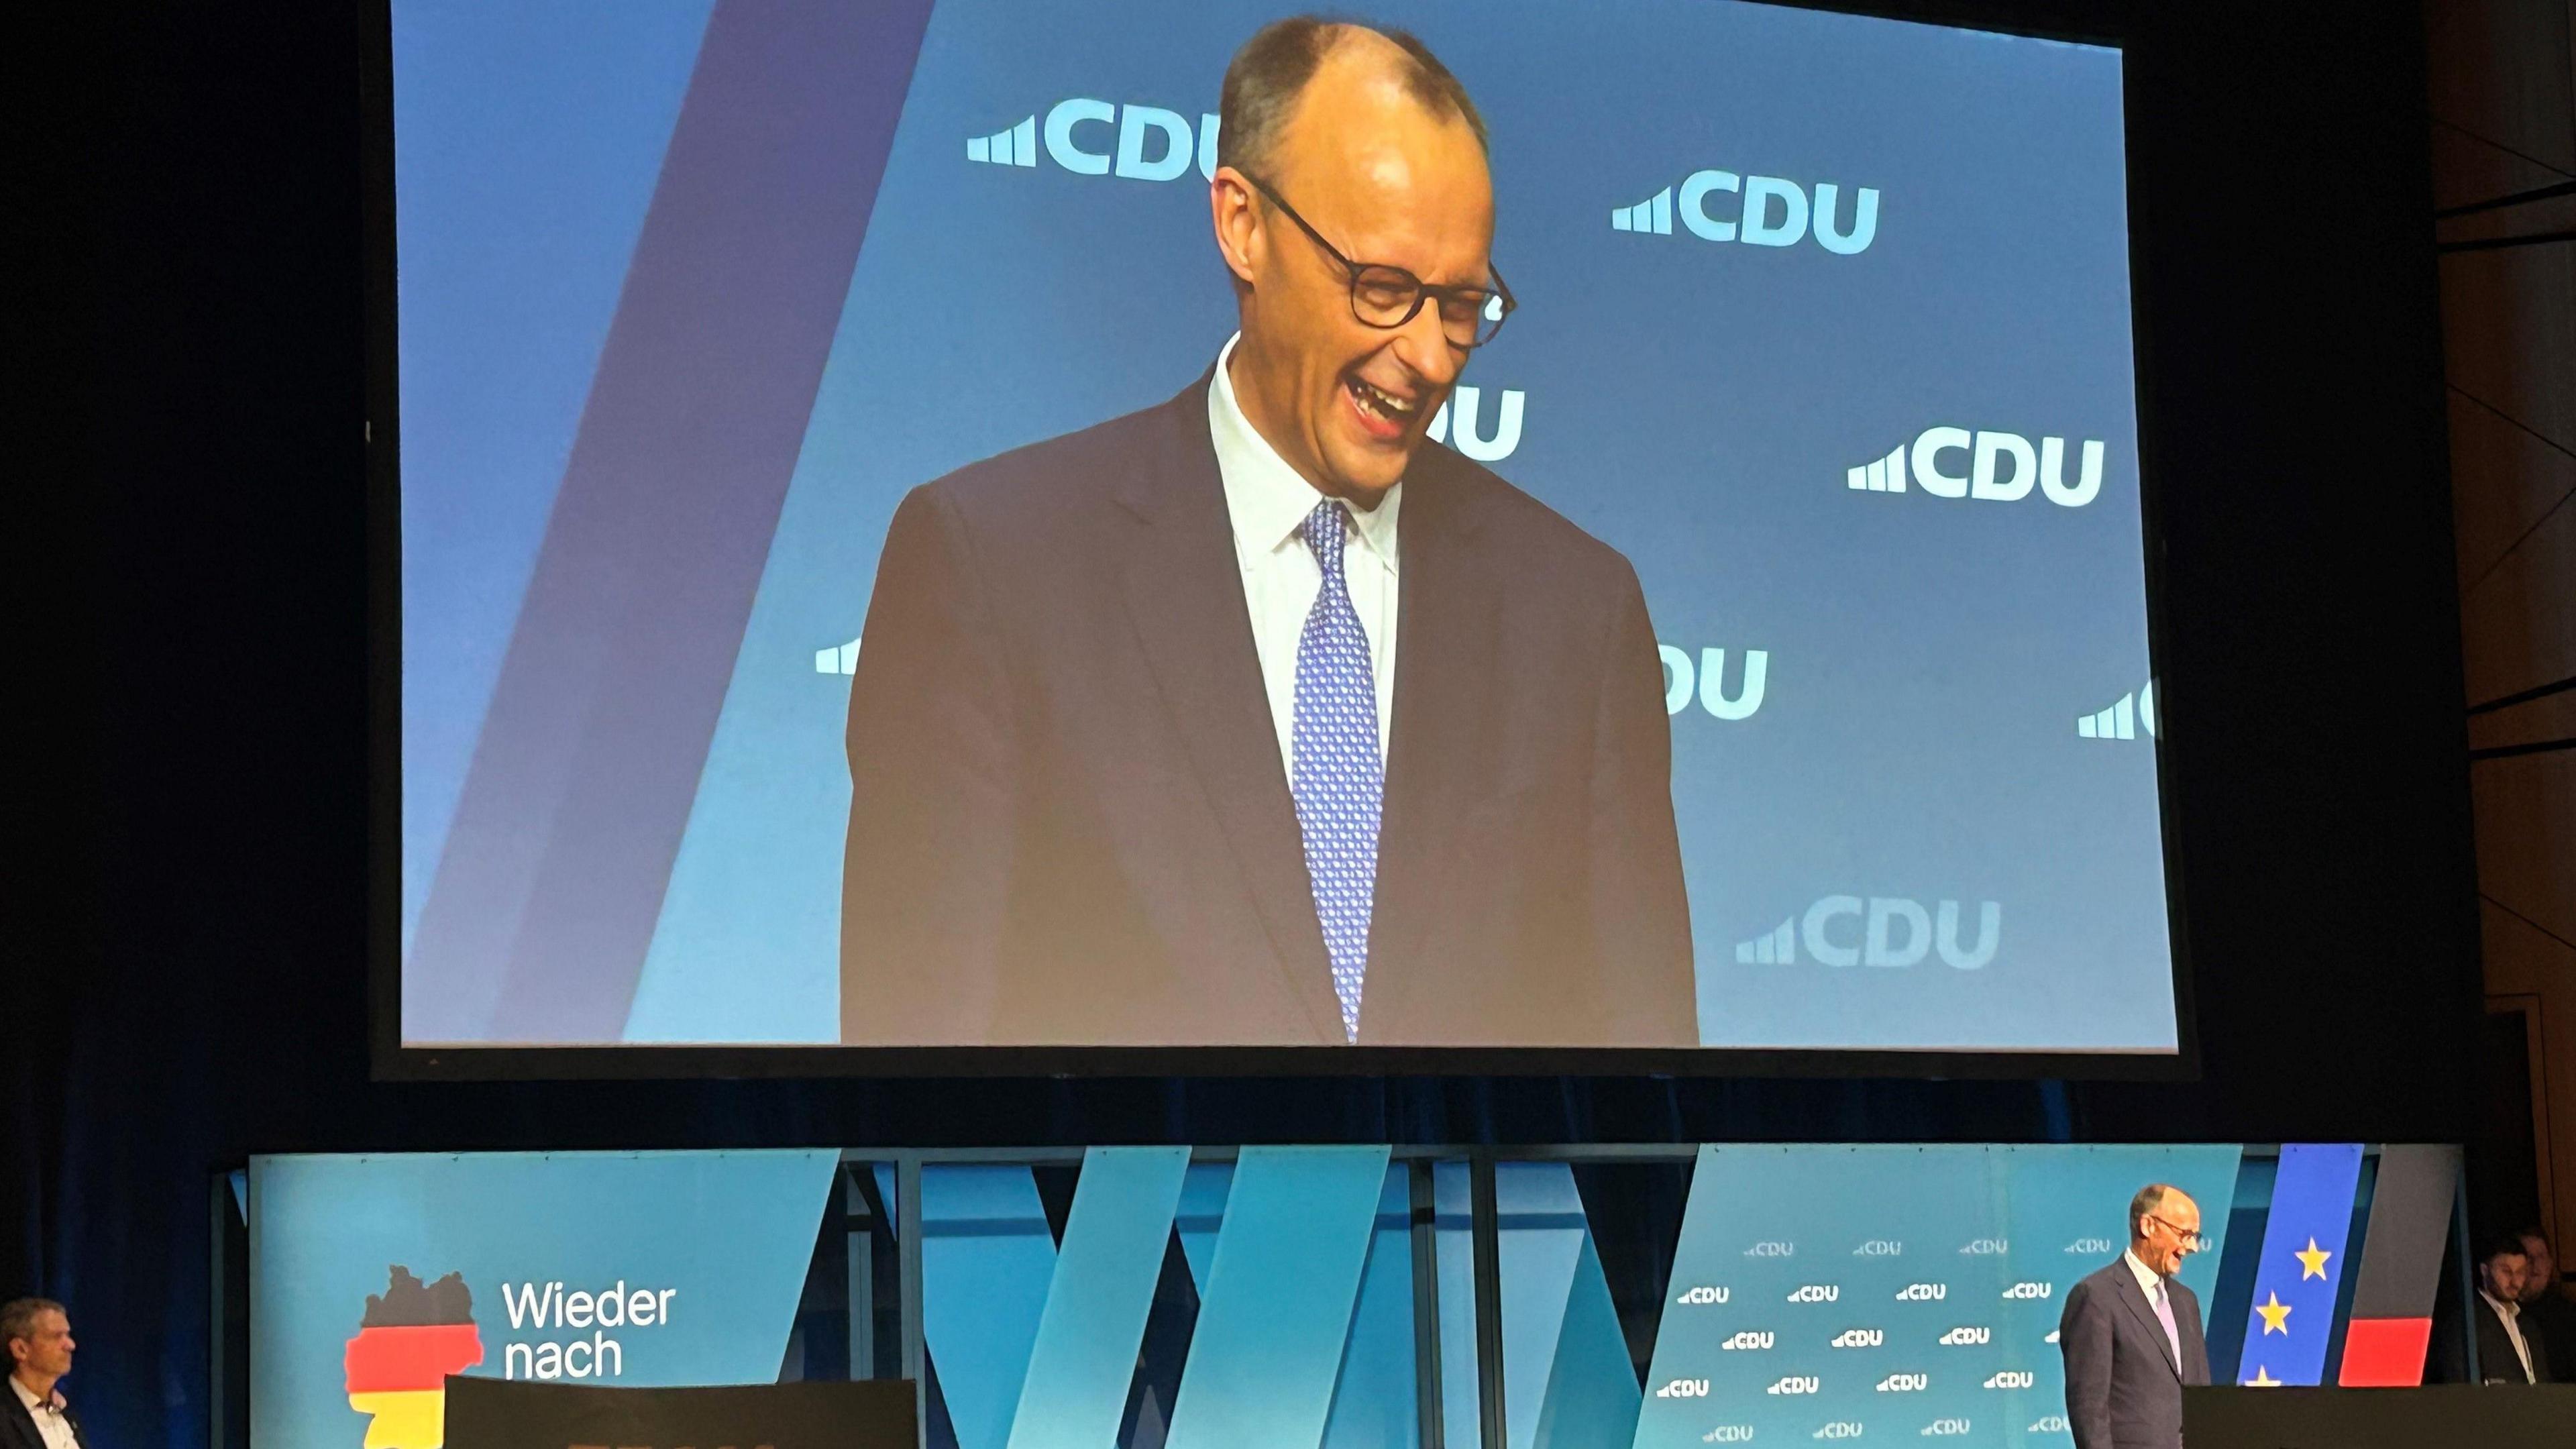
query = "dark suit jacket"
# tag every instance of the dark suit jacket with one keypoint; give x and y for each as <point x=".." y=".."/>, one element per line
<point x="1069" y="823"/>
<point x="2496" y="1361"/>
<point x="2551" y="1321"/>
<point x="2123" y="1388"/>
<point x="18" y="1425"/>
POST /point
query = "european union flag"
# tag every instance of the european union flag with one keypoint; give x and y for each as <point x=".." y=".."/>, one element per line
<point x="2302" y="1262"/>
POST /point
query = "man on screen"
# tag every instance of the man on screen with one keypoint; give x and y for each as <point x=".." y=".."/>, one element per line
<point x="1138" y="751"/>
<point x="2131" y="1333"/>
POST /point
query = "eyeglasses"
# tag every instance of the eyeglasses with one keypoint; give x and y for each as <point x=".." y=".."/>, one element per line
<point x="2192" y="1242"/>
<point x="1389" y="297"/>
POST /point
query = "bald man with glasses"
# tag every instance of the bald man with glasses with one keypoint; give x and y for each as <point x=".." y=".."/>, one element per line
<point x="2131" y="1332"/>
<point x="1255" y="718"/>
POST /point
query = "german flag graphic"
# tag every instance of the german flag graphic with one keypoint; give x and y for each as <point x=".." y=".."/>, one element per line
<point x="413" y="1336"/>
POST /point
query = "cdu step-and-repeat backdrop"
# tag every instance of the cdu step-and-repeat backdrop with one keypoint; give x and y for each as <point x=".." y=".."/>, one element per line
<point x="1315" y="1297"/>
<point x="1824" y="323"/>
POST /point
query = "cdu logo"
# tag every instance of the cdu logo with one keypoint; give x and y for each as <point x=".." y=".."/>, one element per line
<point x="1904" y="1383"/>
<point x="1985" y="1248"/>
<point x="1471" y="441"/>
<point x="1922" y="1292"/>
<point x="1708" y="679"/>
<point x="1684" y="1389"/>
<point x="1762" y="211"/>
<point x="1796" y="1384"/>
<point x="1728" y="1434"/>
<point x="1884" y="920"/>
<point x="1702" y="1294"/>
<point x="1859" y="1338"/>
<point x="2028" y="1291"/>
<point x="1987" y="477"/>
<point x="2048" y="1424"/>
<point x="1880" y="1248"/>
<point x="838" y="659"/>
<point x="2125" y="718"/>
<point x="1966" y="1336"/>
<point x="2011" y="1379"/>
<point x="1749" y="1339"/>
<point x="1839" y="1429"/>
<point x="1815" y="1293"/>
<point x="1945" y="1428"/>
<point x="2089" y="1246"/>
<point x="1094" y="138"/>
<point x="1772" y="1248"/>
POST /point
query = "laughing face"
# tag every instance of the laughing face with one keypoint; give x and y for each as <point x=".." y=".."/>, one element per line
<point x="1387" y="181"/>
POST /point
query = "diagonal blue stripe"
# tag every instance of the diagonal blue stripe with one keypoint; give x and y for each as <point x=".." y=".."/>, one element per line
<point x="1374" y="1403"/>
<point x="1096" y="1306"/>
<point x="1592" y="1391"/>
<point x="984" y="1291"/>
<point x="1268" y="1347"/>
<point x="2311" y="1204"/>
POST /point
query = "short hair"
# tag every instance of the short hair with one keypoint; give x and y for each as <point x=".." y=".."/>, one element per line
<point x="2504" y="1245"/>
<point x="1267" y="75"/>
<point x="18" y="1317"/>
<point x="2149" y="1198"/>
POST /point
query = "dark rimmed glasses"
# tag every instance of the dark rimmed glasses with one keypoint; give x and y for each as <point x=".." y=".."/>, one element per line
<point x="1389" y="297"/>
<point x="2192" y="1242"/>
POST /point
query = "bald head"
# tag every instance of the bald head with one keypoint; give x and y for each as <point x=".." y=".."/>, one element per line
<point x="1268" y="77"/>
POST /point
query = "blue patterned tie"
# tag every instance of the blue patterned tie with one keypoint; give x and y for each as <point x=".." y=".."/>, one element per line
<point x="1338" y="779"/>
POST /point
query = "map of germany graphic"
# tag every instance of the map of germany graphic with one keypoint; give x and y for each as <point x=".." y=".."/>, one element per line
<point x="412" y="1336"/>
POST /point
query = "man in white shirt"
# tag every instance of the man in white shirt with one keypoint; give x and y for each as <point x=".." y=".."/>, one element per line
<point x="2131" y="1334"/>
<point x="39" y="1338"/>
<point x="1254" y="719"/>
<point x="2506" y="1353"/>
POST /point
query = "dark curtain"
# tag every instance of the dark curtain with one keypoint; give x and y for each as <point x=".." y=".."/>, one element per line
<point x="191" y="986"/>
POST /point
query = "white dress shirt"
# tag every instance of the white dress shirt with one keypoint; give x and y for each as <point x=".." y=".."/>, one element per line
<point x="2152" y="1283"/>
<point x="2510" y="1315"/>
<point x="1267" y="501"/>
<point x="56" y="1429"/>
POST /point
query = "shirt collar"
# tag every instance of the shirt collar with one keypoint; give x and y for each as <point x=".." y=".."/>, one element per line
<point x="2147" y="1277"/>
<point x="26" y="1395"/>
<point x="1267" y="499"/>
<point x="2506" y="1311"/>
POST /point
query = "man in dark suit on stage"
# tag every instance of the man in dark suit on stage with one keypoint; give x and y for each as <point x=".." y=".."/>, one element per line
<point x="1136" y="755"/>
<point x="34" y="1414"/>
<point x="2131" y="1333"/>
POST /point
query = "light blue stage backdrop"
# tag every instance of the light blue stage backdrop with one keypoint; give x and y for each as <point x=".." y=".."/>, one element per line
<point x="729" y="1234"/>
<point x="1832" y="1293"/>
<point x="1812" y="1293"/>
<point x="1775" y="266"/>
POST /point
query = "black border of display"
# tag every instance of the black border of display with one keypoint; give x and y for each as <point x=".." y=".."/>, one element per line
<point x="392" y="1060"/>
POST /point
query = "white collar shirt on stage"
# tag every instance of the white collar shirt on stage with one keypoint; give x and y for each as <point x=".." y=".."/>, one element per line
<point x="2148" y="1278"/>
<point x="1266" y="500"/>
<point x="2510" y="1315"/>
<point x="51" y="1423"/>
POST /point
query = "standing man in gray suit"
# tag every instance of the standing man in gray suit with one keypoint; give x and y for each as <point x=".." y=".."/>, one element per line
<point x="2131" y="1334"/>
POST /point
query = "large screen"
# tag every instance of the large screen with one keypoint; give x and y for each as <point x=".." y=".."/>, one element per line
<point x="1130" y="524"/>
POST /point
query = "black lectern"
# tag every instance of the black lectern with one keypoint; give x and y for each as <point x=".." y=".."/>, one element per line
<point x="498" y="1414"/>
<point x="2435" y="1417"/>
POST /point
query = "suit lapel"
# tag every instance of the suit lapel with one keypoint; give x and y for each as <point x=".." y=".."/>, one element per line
<point x="1185" y="598"/>
<point x="2145" y="1313"/>
<point x="1445" y="646"/>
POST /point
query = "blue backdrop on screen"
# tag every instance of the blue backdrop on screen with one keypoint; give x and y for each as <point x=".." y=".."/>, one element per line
<point x="1824" y="324"/>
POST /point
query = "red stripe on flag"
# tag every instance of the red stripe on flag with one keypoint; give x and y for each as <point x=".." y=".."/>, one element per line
<point x="382" y="1360"/>
<point x="2385" y="1353"/>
